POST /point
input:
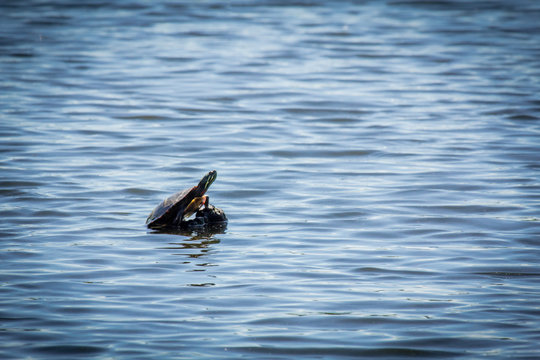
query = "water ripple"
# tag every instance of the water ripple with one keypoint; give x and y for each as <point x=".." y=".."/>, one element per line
<point x="377" y="162"/>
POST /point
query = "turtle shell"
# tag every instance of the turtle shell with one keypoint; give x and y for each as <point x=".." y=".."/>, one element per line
<point x="168" y="211"/>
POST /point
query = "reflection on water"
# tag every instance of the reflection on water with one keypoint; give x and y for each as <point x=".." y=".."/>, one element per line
<point x="202" y="245"/>
<point x="378" y="162"/>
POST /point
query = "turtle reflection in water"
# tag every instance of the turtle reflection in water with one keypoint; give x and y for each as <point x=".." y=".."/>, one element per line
<point x="174" y="211"/>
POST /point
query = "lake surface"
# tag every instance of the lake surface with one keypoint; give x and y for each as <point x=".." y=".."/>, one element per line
<point x="378" y="161"/>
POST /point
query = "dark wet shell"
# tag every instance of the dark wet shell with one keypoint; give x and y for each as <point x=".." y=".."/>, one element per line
<point x="165" y="213"/>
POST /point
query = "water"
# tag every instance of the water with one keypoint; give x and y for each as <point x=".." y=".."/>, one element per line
<point x="378" y="162"/>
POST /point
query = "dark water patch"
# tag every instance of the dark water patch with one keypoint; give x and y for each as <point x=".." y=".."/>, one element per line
<point x="523" y="117"/>
<point x="177" y="59"/>
<point x="532" y="241"/>
<point x="146" y="117"/>
<point x="502" y="272"/>
<point x="339" y="120"/>
<point x="246" y="194"/>
<point x="315" y="153"/>
<point x="402" y="272"/>
<point x="377" y="234"/>
<point x="49" y="213"/>
<point x="346" y="214"/>
<point x="14" y="255"/>
<point x="452" y="343"/>
<point x="20" y="184"/>
<point x="138" y="191"/>
<point x="322" y="111"/>
<point x="68" y="350"/>
<point x="465" y="209"/>
<point x="13" y="193"/>
<point x="197" y="110"/>
<point x="202" y="285"/>
<point x="506" y="274"/>
<point x="352" y="352"/>
<point x="23" y="54"/>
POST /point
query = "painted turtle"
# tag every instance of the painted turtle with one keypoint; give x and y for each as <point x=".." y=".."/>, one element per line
<point x="174" y="209"/>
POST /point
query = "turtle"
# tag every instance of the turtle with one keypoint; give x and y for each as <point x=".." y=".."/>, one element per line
<point x="172" y="211"/>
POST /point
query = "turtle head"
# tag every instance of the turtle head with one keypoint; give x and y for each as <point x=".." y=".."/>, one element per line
<point x="206" y="181"/>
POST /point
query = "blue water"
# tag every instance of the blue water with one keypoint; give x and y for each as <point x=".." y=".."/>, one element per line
<point x="378" y="162"/>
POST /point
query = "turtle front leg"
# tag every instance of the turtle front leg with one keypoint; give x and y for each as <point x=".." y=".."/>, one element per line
<point x="178" y="219"/>
<point x="206" y="201"/>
